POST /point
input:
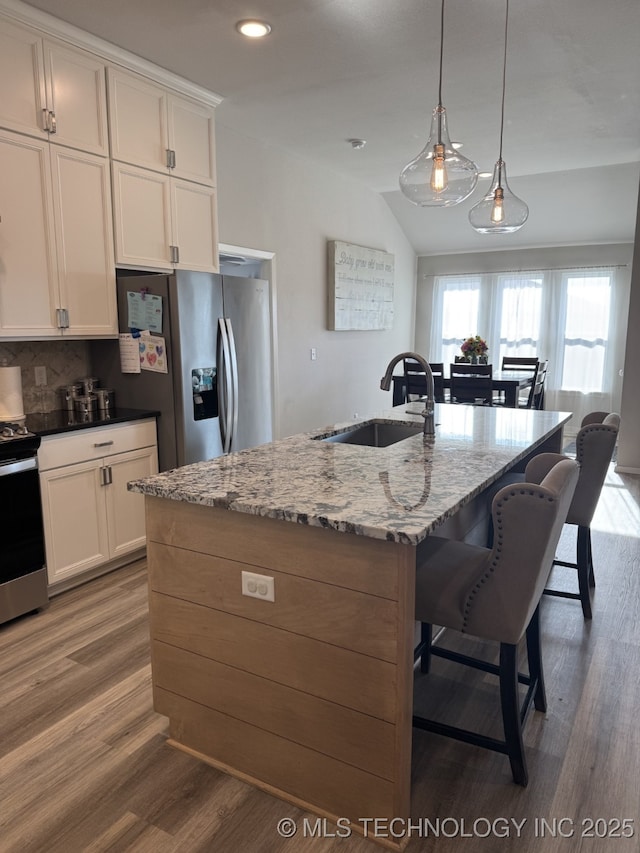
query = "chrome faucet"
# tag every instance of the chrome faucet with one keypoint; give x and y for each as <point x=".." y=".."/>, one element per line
<point x="429" y="403"/>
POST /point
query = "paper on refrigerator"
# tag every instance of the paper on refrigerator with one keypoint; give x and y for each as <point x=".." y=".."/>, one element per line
<point x="153" y="353"/>
<point x="129" y="353"/>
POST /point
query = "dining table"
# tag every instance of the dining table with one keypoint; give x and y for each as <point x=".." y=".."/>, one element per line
<point x="511" y="382"/>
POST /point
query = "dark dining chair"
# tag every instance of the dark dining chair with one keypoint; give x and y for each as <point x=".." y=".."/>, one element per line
<point x="416" y="381"/>
<point x="494" y="594"/>
<point x="528" y="365"/>
<point x="538" y="386"/>
<point x="511" y="362"/>
<point x="471" y="383"/>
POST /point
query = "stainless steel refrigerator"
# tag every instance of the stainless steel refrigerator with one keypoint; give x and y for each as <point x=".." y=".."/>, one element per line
<point x="216" y="395"/>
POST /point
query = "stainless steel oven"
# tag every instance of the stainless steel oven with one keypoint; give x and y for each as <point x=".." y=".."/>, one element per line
<point x="23" y="574"/>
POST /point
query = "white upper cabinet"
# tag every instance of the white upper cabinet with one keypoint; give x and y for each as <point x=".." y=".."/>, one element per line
<point x="156" y="129"/>
<point x="84" y="242"/>
<point x="52" y="90"/>
<point x="162" y="222"/>
<point x="28" y="271"/>
<point x="57" y="273"/>
<point x="77" y="97"/>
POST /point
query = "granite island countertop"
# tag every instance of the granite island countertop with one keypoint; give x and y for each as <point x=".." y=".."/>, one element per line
<point x="399" y="493"/>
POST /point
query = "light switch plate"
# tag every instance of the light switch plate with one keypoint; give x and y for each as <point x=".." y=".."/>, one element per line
<point x="258" y="586"/>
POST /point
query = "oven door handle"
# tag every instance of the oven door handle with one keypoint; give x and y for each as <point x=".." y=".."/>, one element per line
<point x="16" y="466"/>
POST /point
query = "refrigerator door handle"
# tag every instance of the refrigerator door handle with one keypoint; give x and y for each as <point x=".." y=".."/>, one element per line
<point x="225" y="387"/>
<point x="233" y="358"/>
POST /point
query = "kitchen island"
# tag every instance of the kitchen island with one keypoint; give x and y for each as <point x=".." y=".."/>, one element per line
<point x="309" y="695"/>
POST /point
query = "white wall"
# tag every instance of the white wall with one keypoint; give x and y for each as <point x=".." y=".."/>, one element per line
<point x="629" y="442"/>
<point x="272" y="200"/>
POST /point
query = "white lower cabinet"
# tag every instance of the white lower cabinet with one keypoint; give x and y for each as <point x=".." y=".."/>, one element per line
<point x="90" y="519"/>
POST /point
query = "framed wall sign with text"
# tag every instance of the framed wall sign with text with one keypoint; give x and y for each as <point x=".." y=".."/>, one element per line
<point x="360" y="287"/>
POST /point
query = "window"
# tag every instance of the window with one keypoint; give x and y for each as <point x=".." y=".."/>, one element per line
<point x="459" y="312"/>
<point x="586" y="331"/>
<point x="566" y="317"/>
<point x="520" y="315"/>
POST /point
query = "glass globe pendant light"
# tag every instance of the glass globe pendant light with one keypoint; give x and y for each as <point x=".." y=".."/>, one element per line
<point x="439" y="176"/>
<point x="500" y="211"/>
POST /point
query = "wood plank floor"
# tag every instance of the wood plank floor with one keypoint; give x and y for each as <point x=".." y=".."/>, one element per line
<point x="84" y="765"/>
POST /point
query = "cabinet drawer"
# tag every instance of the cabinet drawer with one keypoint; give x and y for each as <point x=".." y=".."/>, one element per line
<point x="95" y="443"/>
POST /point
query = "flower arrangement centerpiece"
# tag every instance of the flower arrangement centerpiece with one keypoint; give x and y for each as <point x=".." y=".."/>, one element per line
<point x="475" y="348"/>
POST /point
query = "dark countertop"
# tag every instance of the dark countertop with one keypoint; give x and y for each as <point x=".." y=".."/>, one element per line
<point x="61" y="420"/>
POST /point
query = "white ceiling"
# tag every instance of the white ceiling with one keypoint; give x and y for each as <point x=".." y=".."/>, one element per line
<point x="336" y="69"/>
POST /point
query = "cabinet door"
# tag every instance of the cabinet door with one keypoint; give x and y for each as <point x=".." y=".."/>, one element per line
<point x="125" y="510"/>
<point x="194" y="220"/>
<point x="76" y="94"/>
<point x="22" y="88"/>
<point x="141" y="201"/>
<point x="28" y="272"/>
<point x="137" y="120"/>
<point x="191" y="138"/>
<point x="82" y="203"/>
<point x="75" y="524"/>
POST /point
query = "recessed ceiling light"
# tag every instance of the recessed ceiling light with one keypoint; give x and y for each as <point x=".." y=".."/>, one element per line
<point x="253" y="29"/>
<point x="485" y="174"/>
<point x="357" y="143"/>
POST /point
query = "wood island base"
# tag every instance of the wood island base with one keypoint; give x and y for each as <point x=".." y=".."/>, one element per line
<point x="308" y="697"/>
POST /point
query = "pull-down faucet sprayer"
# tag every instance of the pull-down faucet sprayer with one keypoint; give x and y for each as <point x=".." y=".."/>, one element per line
<point x="429" y="403"/>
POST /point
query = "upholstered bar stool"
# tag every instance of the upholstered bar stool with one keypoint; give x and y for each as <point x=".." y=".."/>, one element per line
<point x="494" y="594"/>
<point x="595" y="444"/>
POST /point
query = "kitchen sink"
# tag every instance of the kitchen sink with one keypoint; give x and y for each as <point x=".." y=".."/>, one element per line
<point x="376" y="434"/>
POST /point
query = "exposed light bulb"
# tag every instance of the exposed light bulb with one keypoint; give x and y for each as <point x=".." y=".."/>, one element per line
<point x="438" y="170"/>
<point x="497" y="212"/>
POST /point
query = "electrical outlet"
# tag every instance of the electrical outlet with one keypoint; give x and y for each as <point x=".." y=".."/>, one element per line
<point x="314" y="354"/>
<point x="40" y="375"/>
<point x="258" y="586"/>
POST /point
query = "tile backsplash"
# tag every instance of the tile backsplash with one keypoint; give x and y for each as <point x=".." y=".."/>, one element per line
<point x="64" y="361"/>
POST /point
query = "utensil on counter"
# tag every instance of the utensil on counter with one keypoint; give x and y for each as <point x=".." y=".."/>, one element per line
<point x="106" y="400"/>
<point x="86" y="405"/>
<point x="68" y="394"/>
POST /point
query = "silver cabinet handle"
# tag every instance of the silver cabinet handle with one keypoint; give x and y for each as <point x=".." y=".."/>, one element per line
<point x="175" y="254"/>
<point x="168" y="150"/>
<point x="45" y="119"/>
<point x="62" y="316"/>
<point x="53" y="122"/>
<point x="102" y="443"/>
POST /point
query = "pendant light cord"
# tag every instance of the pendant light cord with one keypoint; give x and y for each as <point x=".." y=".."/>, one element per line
<point x="441" y="54"/>
<point x="504" y="78"/>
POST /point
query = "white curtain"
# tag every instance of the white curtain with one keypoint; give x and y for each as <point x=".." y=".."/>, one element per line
<point x="575" y="319"/>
